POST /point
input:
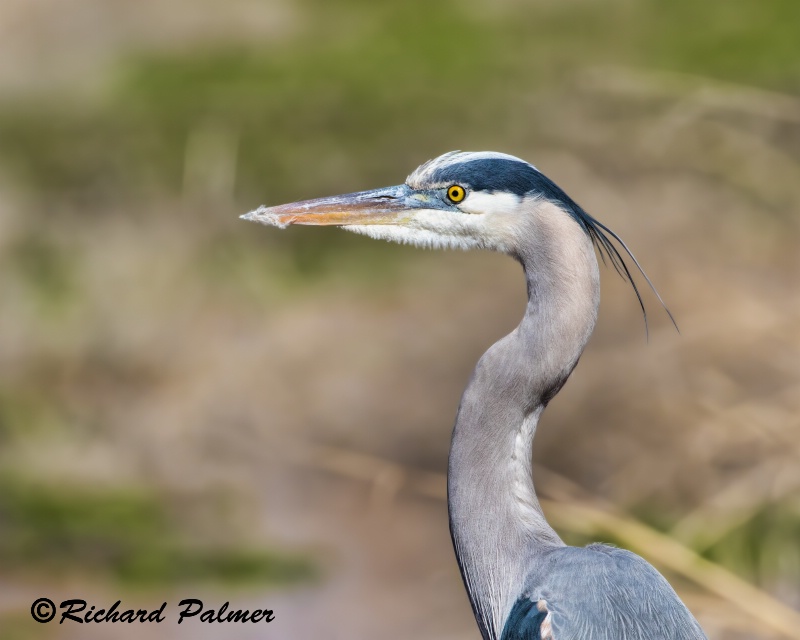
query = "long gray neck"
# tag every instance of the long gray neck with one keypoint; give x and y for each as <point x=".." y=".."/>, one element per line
<point x="496" y="522"/>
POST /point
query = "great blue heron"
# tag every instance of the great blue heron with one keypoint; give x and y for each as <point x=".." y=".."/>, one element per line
<point x="523" y="582"/>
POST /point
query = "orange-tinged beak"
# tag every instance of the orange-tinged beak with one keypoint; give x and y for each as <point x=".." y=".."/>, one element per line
<point x="390" y="205"/>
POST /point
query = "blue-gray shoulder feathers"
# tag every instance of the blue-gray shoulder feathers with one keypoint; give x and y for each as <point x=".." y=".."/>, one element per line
<point x="597" y="593"/>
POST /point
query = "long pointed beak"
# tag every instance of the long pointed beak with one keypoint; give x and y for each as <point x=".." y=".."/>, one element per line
<point x="390" y="205"/>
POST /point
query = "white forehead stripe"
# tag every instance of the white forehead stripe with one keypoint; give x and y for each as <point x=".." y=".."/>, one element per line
<point x="424" y="173"/>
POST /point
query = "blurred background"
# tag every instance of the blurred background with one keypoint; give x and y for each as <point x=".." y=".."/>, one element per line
<point x="194" y="406"/>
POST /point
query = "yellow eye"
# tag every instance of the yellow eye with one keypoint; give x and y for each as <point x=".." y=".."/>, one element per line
<point x="456" y="193"/>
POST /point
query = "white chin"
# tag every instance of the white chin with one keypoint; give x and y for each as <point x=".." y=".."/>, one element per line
<point x="422" y="238"/>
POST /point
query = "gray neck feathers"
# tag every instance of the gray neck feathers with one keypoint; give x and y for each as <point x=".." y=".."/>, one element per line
<point x="496" y="522"/>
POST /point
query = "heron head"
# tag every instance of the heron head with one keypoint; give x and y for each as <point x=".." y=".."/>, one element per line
<point x="458" y="200"/>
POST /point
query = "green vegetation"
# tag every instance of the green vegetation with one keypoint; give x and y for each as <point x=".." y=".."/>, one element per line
<point x="359" y="95"/>
<point x="22" y="413"/>
<point x="740" y="41"/>
<point x="123" y="534"/>
<point x="764" y="549"/>
<point x="365" y="90"/>
<point x="44" y="267"/>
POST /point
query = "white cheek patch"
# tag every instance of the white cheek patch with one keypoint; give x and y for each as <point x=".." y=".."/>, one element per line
<point x="500" y="217"/>
<point x="490" y="203"/>
<point x="447" y="223"/>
